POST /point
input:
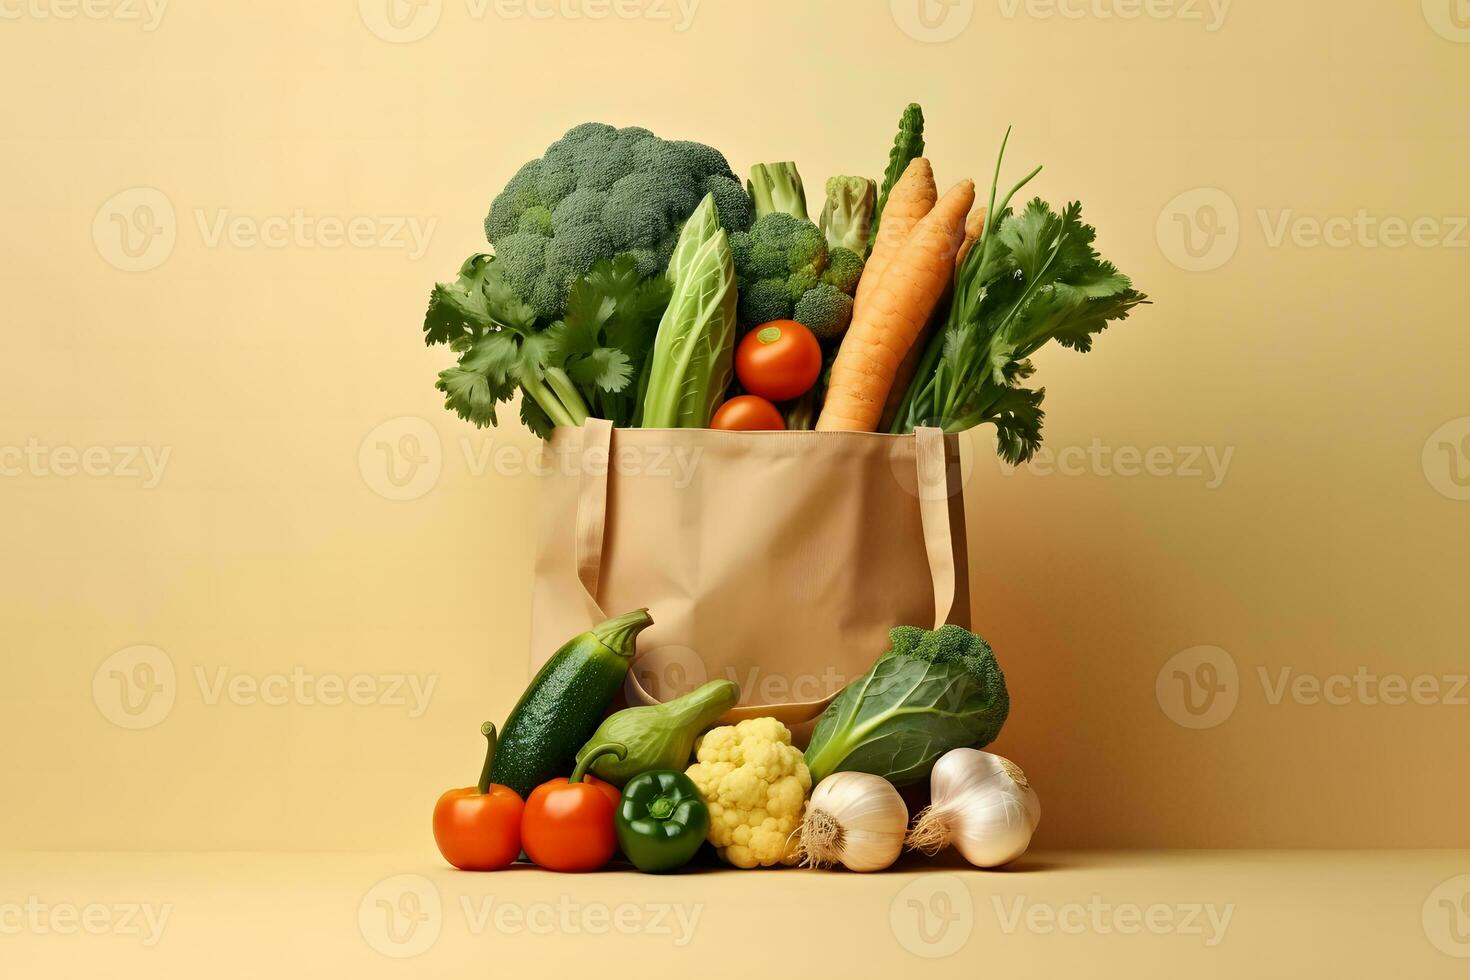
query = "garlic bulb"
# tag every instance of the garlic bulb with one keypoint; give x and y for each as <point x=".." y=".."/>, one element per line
<point x="982" y="804"/>
<point x="854" y="819"/>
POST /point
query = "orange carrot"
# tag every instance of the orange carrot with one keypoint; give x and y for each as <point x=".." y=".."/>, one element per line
<point x="974" y="227"/>
<point x="885" y="328"/>
<point x="912" y="197"/>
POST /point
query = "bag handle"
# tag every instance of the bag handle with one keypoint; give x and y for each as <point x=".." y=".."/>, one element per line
<point x="932" y="474"/>
<point x="596" y="454"/>
<point x="932" y="489"/>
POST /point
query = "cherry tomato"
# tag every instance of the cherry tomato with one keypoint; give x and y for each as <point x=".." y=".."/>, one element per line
<point x="478" y="828"/>
<point x="779" y="360"/>
<point x="568" y="823"/>
<point x="747" y="412"/>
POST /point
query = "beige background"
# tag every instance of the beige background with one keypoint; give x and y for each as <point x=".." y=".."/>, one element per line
<point x="268" y="570"/>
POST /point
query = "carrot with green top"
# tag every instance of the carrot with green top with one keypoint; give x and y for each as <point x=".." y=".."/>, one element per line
<point x="900" y="305"/>
<point x="974" y="228"/>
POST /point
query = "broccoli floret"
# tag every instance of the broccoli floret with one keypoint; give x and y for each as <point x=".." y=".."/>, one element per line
<point x="731" y="201"/>
<point x="799" y="282"/>
<point x="848" y="213"/>
<point x="844" y="269"/>
<point x="824" y="310"/>
<point x="763" y="301"/>
<point x="775" y="188"/>
<point x="607" y="192"/>
<point x="951" y="644"/>
<point x="807" y="250"/>
<point x="536" y="220"/>
<point x="740" y="248"/>
<point x="790" y="254"/>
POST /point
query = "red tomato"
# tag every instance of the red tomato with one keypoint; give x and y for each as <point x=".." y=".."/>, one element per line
<point x="746" y="412"/>
<point x="567" y="824"/>
<point x="479" y="831"/>
<point x="478" y="828"/>
<point x="779" y="360"/>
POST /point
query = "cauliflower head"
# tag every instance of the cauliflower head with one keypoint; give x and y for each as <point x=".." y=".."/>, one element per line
<point x="755" y="783"/>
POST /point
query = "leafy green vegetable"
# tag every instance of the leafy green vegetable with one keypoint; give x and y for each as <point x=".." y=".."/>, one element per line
<point x="606" y="337"/>
<point x="934" y="690"/>
<point x="693" y="352"/>
<point x="1034" y="278"/>
<point x="848" y="214"/>
<point x="593" y="355"/>
<point x="907" y="144"/>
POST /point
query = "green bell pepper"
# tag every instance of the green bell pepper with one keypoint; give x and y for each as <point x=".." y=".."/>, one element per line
<point x="661" y="820"/>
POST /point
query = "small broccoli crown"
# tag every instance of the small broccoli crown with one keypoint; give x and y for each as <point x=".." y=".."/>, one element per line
<point x="766" y="262"/>
<point x="775" y="230"/>
<point x="799" y="282"/>
<point x="948" y="644"/>
<point x="824" y="310"/>
<point x="609" y="191"/>
<point x="844" y="269"/>
<point x="581" y="207"/>
<point x="784" y="253"/>
<point x="535" y="220"/>
<point x="763" y="301"/>
<point x="807" y="251"/>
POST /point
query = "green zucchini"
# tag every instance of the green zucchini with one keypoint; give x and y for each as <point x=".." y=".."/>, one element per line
<point x="564" y="703"/>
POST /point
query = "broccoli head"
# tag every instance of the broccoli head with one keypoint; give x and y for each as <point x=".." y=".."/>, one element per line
<point x="599" y="192"/>
<point x="785" y="271"/>
<point x="844" y="269"/>
<point x="824" y="310"/>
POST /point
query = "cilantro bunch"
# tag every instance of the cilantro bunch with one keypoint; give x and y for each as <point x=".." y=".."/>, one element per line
<point x="1033" y="278"/>
<point x="590" y="362"/>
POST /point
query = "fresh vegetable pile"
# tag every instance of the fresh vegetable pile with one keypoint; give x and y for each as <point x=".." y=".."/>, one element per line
<point x="671" y="785"/>
<point x="636" y="279"/>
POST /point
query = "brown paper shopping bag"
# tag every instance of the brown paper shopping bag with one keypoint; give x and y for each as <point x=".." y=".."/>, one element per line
<point x="777" y="559"/>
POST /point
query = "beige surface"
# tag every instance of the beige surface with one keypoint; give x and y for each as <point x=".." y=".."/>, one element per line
<point x="1136" y="915"/>
<point x="282" y="375"/>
